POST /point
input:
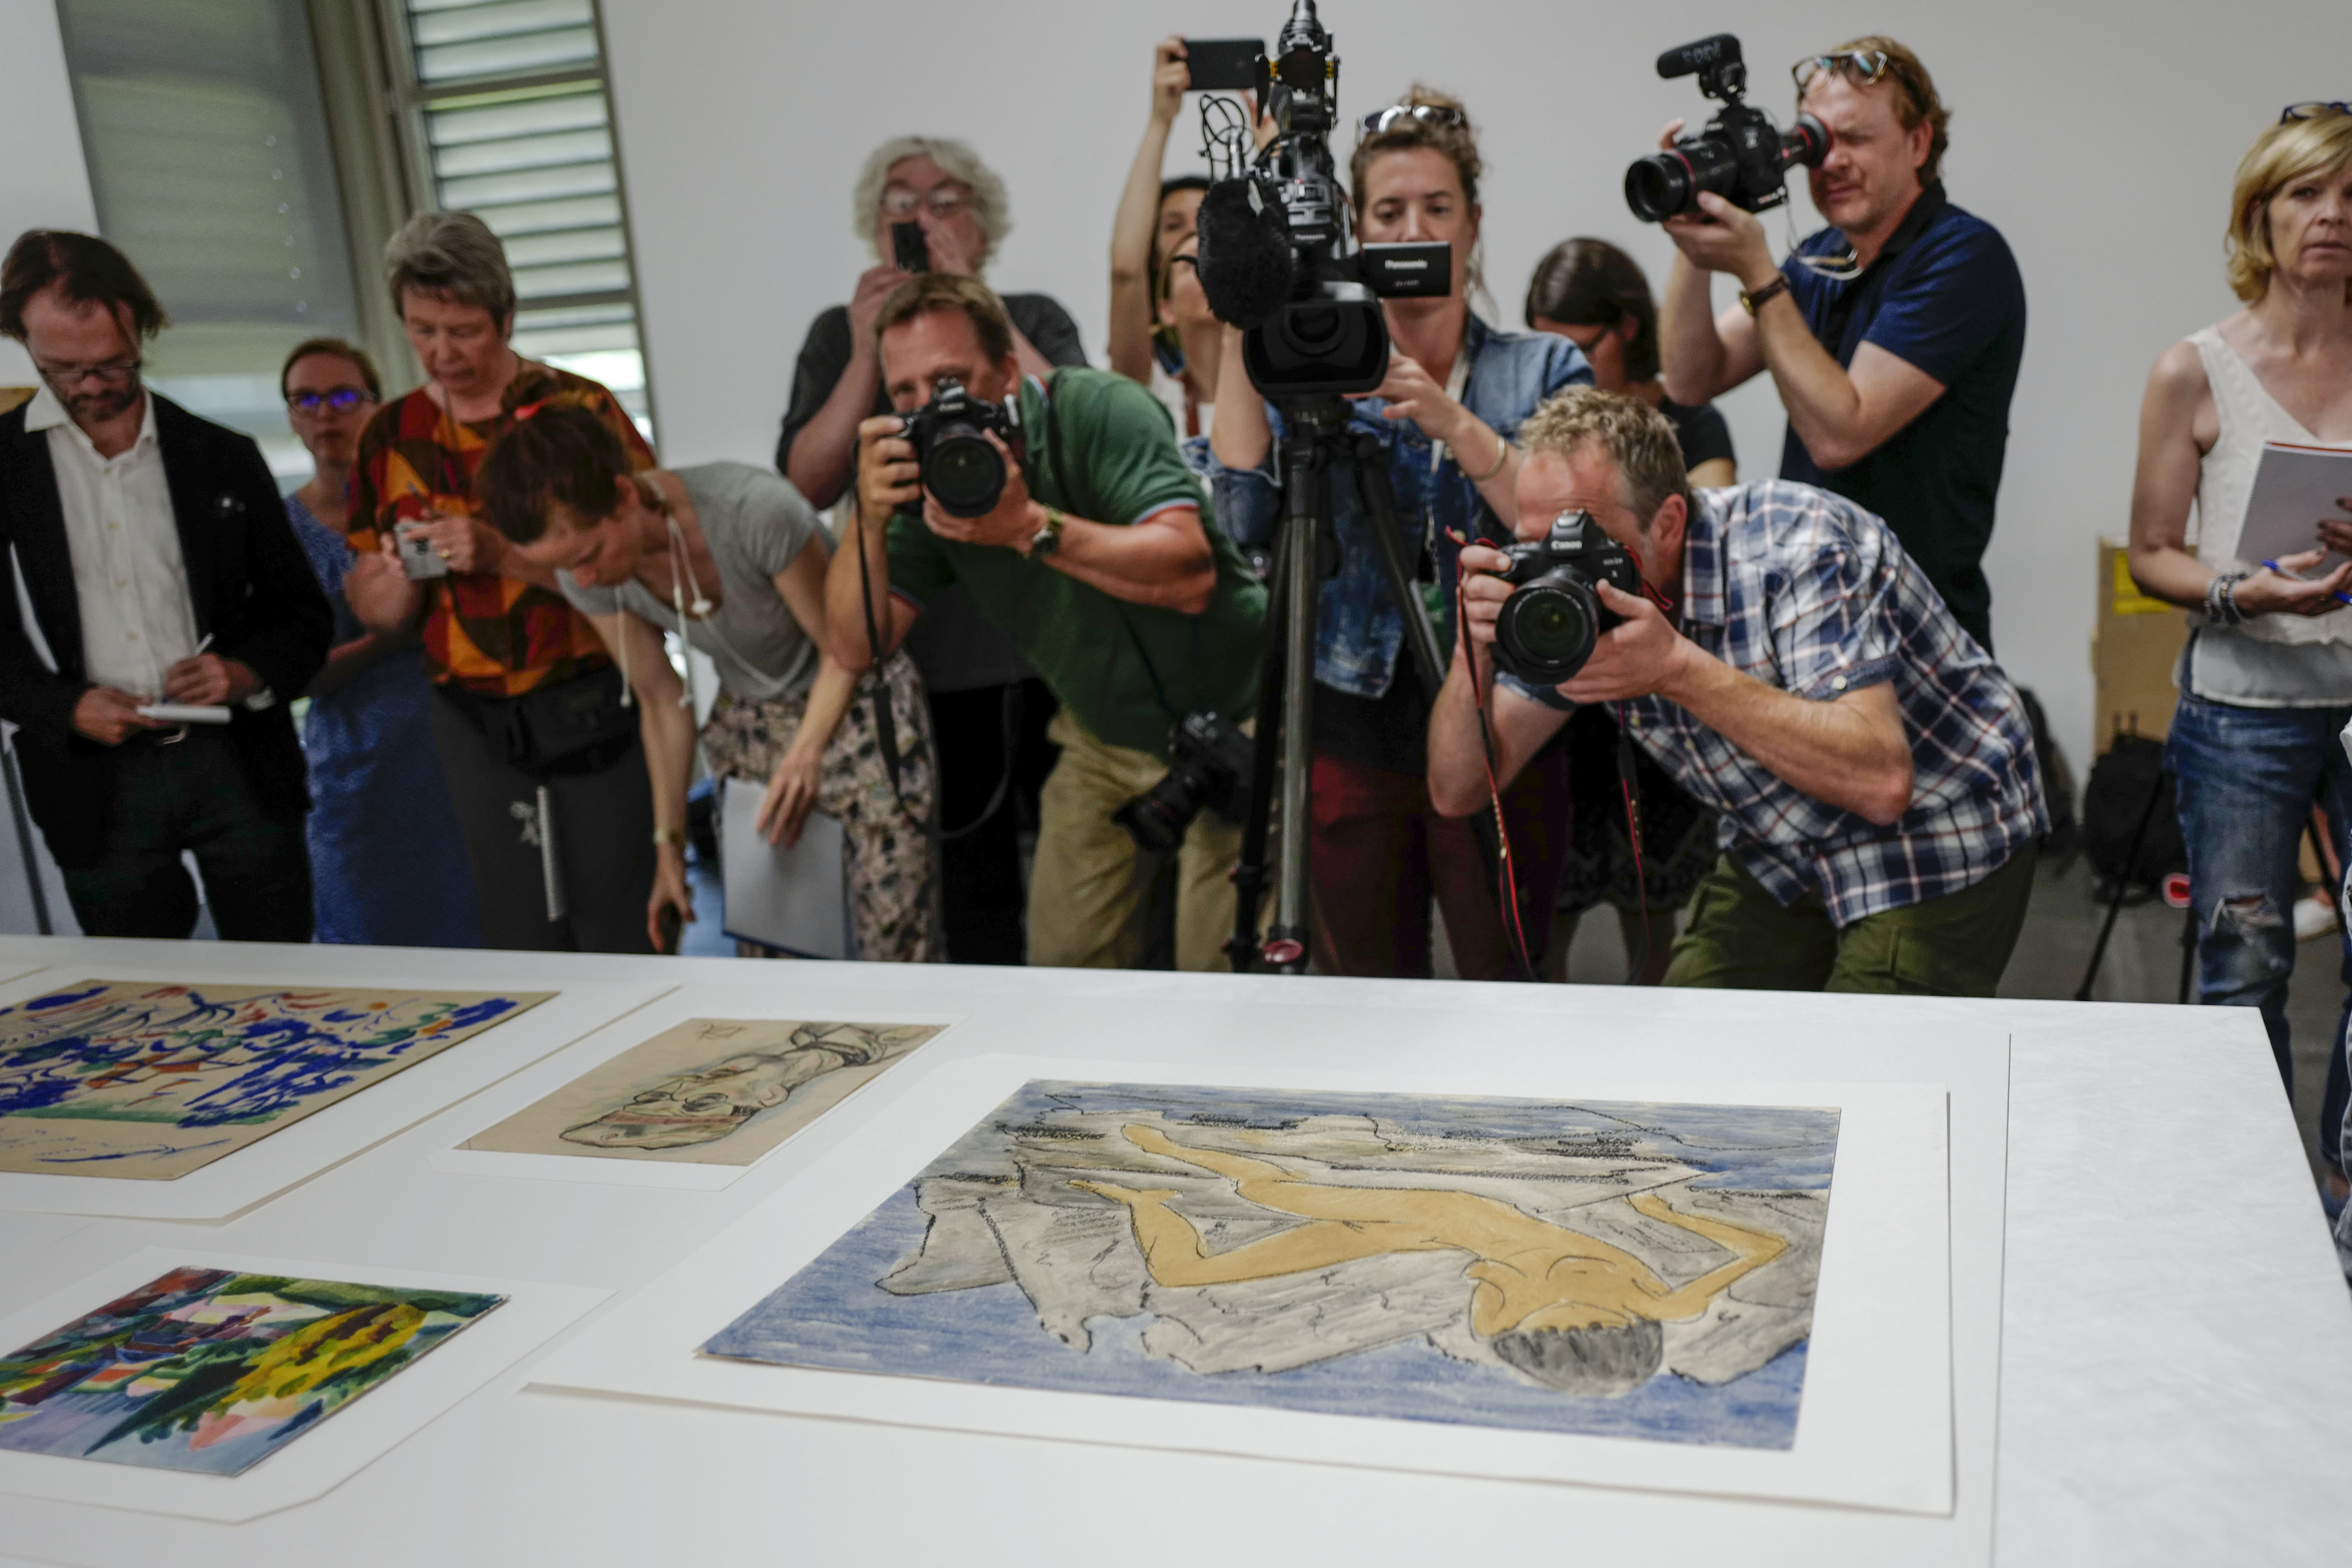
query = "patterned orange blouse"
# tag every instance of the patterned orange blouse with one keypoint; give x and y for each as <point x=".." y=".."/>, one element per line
<point x="496" y="635"/>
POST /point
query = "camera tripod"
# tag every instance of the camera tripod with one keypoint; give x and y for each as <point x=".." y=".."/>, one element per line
<point x="1315" y="433"/>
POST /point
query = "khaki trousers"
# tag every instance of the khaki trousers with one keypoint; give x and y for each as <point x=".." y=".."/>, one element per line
<point x="1087" y="887"/>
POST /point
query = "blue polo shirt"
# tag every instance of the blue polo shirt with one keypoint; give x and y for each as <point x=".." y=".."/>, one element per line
<point x="1945" y="297"/>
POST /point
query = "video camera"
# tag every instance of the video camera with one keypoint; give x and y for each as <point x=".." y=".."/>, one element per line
<point x="1277" y="257"/>
<point x="964" y="472"/>
<point x="1740" y="155"/>
<point x="1548" y="626"/>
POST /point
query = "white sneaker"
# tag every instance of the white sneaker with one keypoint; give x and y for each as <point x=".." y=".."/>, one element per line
<point x="2313" y="916"/>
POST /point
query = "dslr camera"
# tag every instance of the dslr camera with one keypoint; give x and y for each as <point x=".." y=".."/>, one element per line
<point x="964" y="472"/>
<point x="1740" y="155"/>
<point x="1210" y="767"/>
<point x="1549" y="624"/>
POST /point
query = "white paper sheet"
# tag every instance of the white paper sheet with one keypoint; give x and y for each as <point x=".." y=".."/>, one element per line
<point x="692" y="1002"/>
<point x="295" y="1153"/>
<point x="322" y="1459"/>
<point x="2295" y="487"/>
<point x="794" y="898"/>
<point x="1875" y="1427"/>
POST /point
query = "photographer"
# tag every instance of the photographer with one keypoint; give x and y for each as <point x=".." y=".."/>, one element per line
<point x="1093" y="558"/>
<point x="1893" y="336"/>
<point x="1594" y="295"/>
<point x="1168" y="343"/>
<point x="1873" y="764"/>
<point x="1457" y="389"/>
<point x="989" y="711"/>
<point x="539" y="753"/>
<point x="734" y="560"/>
<point x="2266" y="679"/>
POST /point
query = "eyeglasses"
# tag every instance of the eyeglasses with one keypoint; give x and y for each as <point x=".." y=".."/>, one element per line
<point x="1382" y="119"/>
<point x="343" y="399"/>
<point x="1863" y="67"/>
<point x="900" y="201"/>
<point x="2311" y="110"/>
<point x="112" y="372"/>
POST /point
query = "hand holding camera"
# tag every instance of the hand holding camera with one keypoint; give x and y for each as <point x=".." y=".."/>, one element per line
<point x="953" y="456"/>
<point x="439" y="543"/>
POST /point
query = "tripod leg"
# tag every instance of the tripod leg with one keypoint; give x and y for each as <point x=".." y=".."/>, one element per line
<point x="1305" y="503"/>
<point x="1251" y="873"/>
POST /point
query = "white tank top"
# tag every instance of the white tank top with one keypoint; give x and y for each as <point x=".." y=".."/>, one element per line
<point x="2273" y="661"/>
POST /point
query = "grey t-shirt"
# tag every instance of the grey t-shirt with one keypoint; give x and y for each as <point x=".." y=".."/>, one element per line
<point x="755" y="522"/>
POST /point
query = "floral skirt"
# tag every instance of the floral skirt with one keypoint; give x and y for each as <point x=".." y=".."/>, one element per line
<point x="892" y="867"/>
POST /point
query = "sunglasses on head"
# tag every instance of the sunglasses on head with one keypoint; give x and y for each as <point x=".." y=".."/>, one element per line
<point x="1387" y="119"/>
<point x="343" y="399"/>
<point x="2312" y="108"/>
<point x="1861" y="66"/>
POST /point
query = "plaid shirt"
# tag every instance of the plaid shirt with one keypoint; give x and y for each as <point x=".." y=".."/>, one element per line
<point x="496" y="635"/>
<point x="1806" y="591"/>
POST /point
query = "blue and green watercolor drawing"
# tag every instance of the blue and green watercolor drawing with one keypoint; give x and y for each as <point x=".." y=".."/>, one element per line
<point x="212" y="1370"/>
<point x="1620" y="1269"/>
<point x="146" y="1081"/>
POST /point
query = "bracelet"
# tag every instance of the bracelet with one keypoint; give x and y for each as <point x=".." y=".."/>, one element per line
<point x="664" y="836"/>
<point x="2221" y="601"/>
<point x="1502" y="456"/>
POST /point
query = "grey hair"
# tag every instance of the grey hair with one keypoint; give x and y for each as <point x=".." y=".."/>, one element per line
<point x="453" y="257"/>
<point x="989" y="203"/>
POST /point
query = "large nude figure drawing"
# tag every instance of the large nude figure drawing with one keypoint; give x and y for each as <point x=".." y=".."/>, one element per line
<point x="1639" y="1270"/>
<point x="1568" y="1309"/>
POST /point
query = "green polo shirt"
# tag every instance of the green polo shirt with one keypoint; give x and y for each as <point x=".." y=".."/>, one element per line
<point x="1129" y="672"/>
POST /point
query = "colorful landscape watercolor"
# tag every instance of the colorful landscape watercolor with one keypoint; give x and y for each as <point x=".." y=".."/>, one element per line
<point x="1617" y="1269"/>
<point x="210" y="1370"/>
<point x="148" y="1081"/>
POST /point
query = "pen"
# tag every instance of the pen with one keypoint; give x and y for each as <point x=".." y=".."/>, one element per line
<point x="2339" y="598"/>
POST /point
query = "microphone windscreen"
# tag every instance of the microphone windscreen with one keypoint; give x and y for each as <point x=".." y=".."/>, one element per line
<point x="1245" y="255"/>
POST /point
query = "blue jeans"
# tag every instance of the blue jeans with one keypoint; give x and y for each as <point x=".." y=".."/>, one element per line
<point x="2247" y="778"/>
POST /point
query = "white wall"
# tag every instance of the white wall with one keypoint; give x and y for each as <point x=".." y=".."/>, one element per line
<point x="43" y="182"/>
<point x="2100" y="139"/>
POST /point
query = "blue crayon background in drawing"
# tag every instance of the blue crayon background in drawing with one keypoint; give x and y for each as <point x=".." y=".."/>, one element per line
<point x="831" y="1314"/>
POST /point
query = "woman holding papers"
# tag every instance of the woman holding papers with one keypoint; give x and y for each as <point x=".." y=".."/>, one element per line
<point x="732" y="559"/>
<point x="2266" y="681"/>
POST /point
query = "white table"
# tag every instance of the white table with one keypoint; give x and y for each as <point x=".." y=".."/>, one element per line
<point x="2177" y="1341"/>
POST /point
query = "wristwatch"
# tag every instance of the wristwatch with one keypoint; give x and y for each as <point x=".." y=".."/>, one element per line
<point x="1752" y="303"/>
<point x="1047" y="539"/>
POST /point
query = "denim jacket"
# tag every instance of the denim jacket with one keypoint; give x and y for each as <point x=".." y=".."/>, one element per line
<point x="1358" y="632"/>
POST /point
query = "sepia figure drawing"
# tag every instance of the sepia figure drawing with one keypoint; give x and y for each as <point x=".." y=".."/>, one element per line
<point x="1641" y="1270"/>
<point x="1571" y="1311"/>
<point x="707" y="1104"/>
<point x="211" y="1370"/>
<point x="719" y="1091"/>
<point x="133" y="1079"/>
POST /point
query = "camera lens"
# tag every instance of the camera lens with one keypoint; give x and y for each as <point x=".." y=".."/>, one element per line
<point x="1657" y="187"/>
<point x="1159" y="817"/>
<point x="1547" y="630"/>
<point x="964" y="473"/>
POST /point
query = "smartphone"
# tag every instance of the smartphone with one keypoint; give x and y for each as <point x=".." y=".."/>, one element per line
<point x="1224" y="65"/>
<point x="908" y="248"/>
<point x="416" y="557"/>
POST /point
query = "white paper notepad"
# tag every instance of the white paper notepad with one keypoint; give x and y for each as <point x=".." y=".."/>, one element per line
<point x="795" y="899"/>
<point x="2294" y="487"/>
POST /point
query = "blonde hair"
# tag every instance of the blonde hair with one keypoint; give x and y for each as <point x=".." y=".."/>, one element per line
<point x="2283" y="152"/>
<point x="1637" y="438"/>
<point x="1916" y="101"/>
<point x="990" y="206"/>
<point x="1457" y="142"/>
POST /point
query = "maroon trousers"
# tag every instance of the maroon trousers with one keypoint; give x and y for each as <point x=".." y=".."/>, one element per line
<point x="1381" y="854"/>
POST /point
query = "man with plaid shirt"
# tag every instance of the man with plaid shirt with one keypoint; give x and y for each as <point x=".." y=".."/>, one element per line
<point x="1872" y="764"/>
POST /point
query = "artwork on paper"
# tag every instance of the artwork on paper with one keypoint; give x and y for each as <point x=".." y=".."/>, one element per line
<point x="713" y="1092"/>
<point x="148" y="1081"/>
<point x="1620" y="1269"/>
<point x="212" y="1370"/>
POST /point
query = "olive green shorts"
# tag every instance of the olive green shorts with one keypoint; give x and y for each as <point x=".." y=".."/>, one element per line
<point x="1956" y="945"/>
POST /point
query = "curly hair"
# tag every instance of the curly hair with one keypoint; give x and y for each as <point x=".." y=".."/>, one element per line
<point x="1458" y="141"/>
<point x="990" y="205"/>
<point x="1638" y="439"/>
<point x="2281" y="153"/>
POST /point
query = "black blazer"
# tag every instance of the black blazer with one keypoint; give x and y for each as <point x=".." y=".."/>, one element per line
<point x="249" y="581"/>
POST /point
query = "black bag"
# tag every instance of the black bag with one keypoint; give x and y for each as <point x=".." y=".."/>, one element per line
<point x="560" y="730"/>
<point x="2131" y="830"/>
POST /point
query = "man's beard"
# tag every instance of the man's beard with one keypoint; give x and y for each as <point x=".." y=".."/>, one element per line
<point x="109" y="402"/>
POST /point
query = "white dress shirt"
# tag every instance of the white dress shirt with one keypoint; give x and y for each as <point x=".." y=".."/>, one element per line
<point x="129" y="577"/>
